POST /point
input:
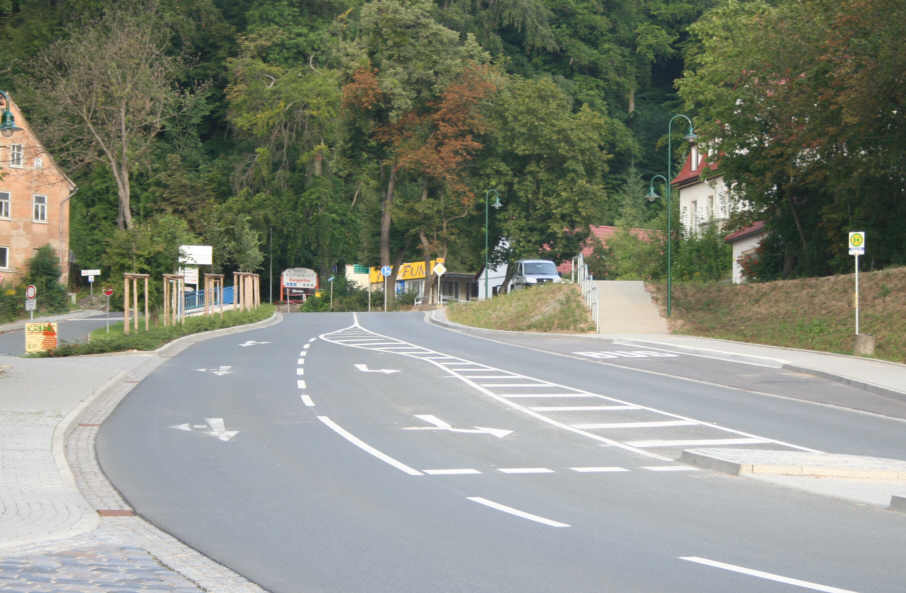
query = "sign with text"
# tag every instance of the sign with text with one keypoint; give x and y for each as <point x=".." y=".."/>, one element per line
<point x="196" y="255"/>
<point x="190" y="275"/>
<point x="40" y="337"/>
<point x="408" y="271"/>
<point x="300" y="278"/>
<point x="91" y="273"/>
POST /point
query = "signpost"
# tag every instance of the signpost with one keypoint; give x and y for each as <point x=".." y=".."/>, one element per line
<point x="31" y="293"/>
<point x="857" y="248"/>
<point x="91" y="274"/>
<point x="385" y="272"/>
<point x="331" y="292"/>
<point x="439" y="269"/>
<point x="108" y="292"/>
<point x="192" y="255"/>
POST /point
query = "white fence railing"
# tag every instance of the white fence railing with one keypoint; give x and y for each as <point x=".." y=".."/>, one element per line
<point x="589" y="289"/>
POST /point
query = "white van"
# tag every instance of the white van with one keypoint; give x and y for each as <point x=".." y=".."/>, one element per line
<point x="531" y="272"/>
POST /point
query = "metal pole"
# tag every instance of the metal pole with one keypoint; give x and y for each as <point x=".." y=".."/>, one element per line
<point x="107" y="316"/>
<point x="385" y="294"/>
<point x="486" y="296"/>
<point x="669" y="210"/>
<point x="331" y="295"/>
<point x="270" y="271"/>
<point x="857" y="294"/>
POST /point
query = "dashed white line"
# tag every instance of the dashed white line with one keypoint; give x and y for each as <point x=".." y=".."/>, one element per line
<point x="581" y="408"/>
<point x="300" y="384"/>
<point x="307" y="401"/>
<point x="300" y="371"/>
<point x="300" y="361"/>
<point x="657" y="424"/>
<point x="517" y="512"/>
<point x="765" y="575"/>
<point x="595" y="470"/>
<point x="466" y="471"/>
<point x="368" y="448"/>
<point x="525" y="470"/>
<point x="307" y="346"/>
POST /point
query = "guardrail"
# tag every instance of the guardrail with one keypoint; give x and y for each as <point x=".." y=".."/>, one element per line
<point x="589" y="289"/>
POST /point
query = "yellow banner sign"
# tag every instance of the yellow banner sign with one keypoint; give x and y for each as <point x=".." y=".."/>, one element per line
<point x="414" y="270"/>
<point x="40" y="337"/>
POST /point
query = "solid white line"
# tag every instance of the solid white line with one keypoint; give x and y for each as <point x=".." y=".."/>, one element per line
<point x="525" y="470"/>
<point x="657" y="424"/>
<point x="580" y="408"/>
<point x="307" y="401"/>
<point x="300" y="371"/>
<point x="485" y="376"/>
<point x="697" y="442"/>
<point x="670" y="468"/>
<point x="368" y="448"/>
<point x="516" y="384"/>
<point x="537" y="395"/>
<point x="451" y="472"/>
<point x="765" y="575"/>
<point x="595" y="470"/>
<point x="517" y="512"/>
<point x="300" y="384"/>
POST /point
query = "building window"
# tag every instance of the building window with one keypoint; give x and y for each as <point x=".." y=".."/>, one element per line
<point x="40" y="210"/>
<point x="39" y="163"/>
<point x="693" y="217"/>
<point x="4" y="257"/>
<point x="4" y="204"/>
<point x="16" y="154"/>
<point x="710" y="208"/>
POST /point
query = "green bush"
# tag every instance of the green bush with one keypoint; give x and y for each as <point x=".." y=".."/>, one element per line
<point x="44" y="273"/>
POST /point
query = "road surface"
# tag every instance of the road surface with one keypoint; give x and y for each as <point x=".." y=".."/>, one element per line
<point x="378" y="453"/>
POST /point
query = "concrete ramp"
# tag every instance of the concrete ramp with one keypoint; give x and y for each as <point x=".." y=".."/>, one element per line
<point x="624" y="307"/>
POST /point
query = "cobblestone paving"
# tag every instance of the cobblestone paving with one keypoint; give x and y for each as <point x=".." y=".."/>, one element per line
<point x="98" y="569"/>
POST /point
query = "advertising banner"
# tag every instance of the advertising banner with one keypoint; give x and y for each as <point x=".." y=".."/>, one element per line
<point x="40" y="337"/>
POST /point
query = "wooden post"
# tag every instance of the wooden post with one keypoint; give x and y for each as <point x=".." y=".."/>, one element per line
<point x="147" y="316"/>
<point x="125" y="303"/>
<point x="135" y="303"/>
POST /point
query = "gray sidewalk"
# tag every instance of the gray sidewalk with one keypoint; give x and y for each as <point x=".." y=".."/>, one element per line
<point x="63" y="527"/>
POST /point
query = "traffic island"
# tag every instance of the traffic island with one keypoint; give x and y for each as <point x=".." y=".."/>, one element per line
<point x="796" y="463"/>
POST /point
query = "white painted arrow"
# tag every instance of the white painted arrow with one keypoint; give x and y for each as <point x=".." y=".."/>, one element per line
<point x="224" y="369"/>
<point x="251" y="343"/>
<point x="216" y="427"/>
<point x="438" y="424"/>
<point x="364" y="368"/>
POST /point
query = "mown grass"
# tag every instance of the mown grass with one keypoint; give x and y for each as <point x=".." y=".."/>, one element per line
<point x="812" y="313"/>
<point x="547" y="308"/>
<point x="158" y="335"/>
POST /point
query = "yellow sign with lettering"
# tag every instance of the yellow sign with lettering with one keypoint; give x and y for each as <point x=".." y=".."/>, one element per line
<point x="414" y="270"/>
<point x="40" y="337"/>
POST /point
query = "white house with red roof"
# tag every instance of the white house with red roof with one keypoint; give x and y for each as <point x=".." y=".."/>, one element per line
<point x="708" y="200"/>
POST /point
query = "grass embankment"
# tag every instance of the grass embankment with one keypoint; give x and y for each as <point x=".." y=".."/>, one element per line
<point x="812" y="313"/>
<point x="546" y="308"/>
<point x="158" y="335"/>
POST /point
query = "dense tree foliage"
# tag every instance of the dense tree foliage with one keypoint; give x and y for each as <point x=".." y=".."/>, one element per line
<point x="301" y="133"/>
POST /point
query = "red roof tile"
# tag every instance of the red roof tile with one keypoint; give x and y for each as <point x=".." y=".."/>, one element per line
<point x="686" y="174"/>
<point x="753" y="229"/>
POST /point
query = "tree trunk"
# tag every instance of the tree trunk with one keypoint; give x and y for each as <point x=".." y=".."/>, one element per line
<point x="386" y="217"/>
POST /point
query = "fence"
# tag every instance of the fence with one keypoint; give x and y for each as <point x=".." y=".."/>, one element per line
<point x="589" y="289"/>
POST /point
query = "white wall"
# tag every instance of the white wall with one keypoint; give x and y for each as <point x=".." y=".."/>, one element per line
<point x="740" y="248"/>
<point x="496" y="277"/>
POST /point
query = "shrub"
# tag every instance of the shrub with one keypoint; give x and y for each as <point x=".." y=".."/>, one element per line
<point x="44" y="273"/>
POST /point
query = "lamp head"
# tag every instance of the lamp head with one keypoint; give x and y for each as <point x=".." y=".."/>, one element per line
<point x="8" y="123"/>
<point x="652" y="195"/>
<point x="690" y="135"/>
<point x="497" y="205"/>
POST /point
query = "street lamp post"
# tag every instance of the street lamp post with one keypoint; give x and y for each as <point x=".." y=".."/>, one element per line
<point x="7" y="121"/>
<point x="690" y="136"/>
<point x="496" y="205"/>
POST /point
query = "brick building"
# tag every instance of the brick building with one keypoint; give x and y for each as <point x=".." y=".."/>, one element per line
<point x="34" y="200"/>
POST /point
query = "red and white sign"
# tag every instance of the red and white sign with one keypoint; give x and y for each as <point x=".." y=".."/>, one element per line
<point x="108" y="291"/>
<point x="31" y="292"/>
<point x="300" y="278"/>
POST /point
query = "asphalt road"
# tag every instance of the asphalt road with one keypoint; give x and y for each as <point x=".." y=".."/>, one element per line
<point x="12" y="343"/>
<point x="393" y="456"/>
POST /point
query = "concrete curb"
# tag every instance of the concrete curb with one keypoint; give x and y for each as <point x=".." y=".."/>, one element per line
<point x="871" y="387"/>
<point x="898" y="503"/>
<point x="795" y="463"/>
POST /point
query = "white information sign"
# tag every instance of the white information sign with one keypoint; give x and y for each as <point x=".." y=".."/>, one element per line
<point x="91" y="273"/>
<point x="857" y="243"/>
<point x="196" y="255"/>
<point x="190" y="274"/>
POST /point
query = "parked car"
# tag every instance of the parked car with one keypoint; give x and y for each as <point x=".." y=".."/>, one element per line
<point x="531" y="272"/>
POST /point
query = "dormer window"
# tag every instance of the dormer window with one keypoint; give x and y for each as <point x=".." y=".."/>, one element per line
<point x="694" y="158"/>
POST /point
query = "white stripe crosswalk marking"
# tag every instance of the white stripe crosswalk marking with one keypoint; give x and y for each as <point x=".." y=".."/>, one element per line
<point x="517" y="512"/>
<point x="582" y="408"/>
<point x="525" y="470"/>
<point x="657" y="424"/>
<point x="596" y="470"/>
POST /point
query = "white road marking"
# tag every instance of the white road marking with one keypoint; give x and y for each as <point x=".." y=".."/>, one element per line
<point x="581" y="408"/>
<point x="248" y="343"/>
<point x="765" y="575"/>
<point x="307" y="401"/>
<point x="525" y="470"/>
<point x="657" y="424"/>
<point x="697" y="442"/>
<point x="222" y="370"/>
<point x="300" y="361"/>
<point x="364" y="368"/>
<point x="438" y="424"/>
<point x="368" y="448"/>
<point x="310" y="340"/>
<point x="516" y="384"/>
<point x="307" y="346"/>
<point x="216" y="427"/>
<point x="517" y="512"/>
<point x="300" y="384"/>
<point x="670" y="468"/>
<point x="304" y="353"/>
<point x="537" y="395"/>
<point x="485" y="376"/>
<point x="466" y="471"/>
<point x="595" y="470"/>
<point x="300" y="371"/>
